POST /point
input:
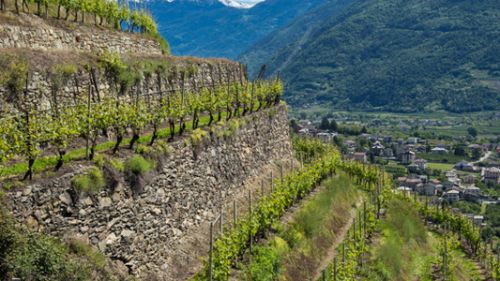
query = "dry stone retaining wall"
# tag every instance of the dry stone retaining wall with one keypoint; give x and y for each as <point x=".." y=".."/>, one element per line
<point x="187" y="191"/>
<point x="35" y="33"/>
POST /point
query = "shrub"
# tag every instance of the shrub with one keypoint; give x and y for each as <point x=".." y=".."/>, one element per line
<point x="82" y="249"/>
<point x="267" y="263"/>
<point x="91" y="182"/>
<point x="197" y="136"/>
<point x="142" y="149"/>
<point x="99" y="160"/>
<point x="39" y="257"/>
<point x="117" y="164"/>
<point x="163" y="147"/>
<point x="138" y="165"/>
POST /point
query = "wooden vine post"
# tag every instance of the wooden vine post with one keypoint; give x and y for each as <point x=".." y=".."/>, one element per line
<point x="211" y="250"/>
<point x="335" y="269"/>
<point x="271" y="181"/>
<point x="364" y="218"/>
<point x="281" y="174"/>
<point x="234" y="213"/>
<point x="262" y="187"/>
<point x="88" y="124"/>
<point x="250" y="212"/>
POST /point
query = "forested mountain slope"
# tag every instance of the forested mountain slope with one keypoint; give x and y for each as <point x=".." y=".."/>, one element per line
<point x="210" y="29"/>
<point x="396" y="55"/>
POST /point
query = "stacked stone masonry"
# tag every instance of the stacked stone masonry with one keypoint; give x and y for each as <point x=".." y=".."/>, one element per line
<point x="186" y="192"/>
<point x="35" y="33"/>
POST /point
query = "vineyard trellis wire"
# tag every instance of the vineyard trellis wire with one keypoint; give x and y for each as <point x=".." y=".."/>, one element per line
<point x="125" y="109"/>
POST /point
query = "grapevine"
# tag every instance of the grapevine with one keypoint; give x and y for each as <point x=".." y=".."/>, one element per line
<point x="127" y="107"/>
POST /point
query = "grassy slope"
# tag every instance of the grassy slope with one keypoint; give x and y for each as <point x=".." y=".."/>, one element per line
<point x="34" y="256"/>
<point x="297" y="248"/>
<point x="406" y="250"/>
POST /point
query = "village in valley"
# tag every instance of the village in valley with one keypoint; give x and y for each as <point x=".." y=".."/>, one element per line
<point x="459" y="170"/>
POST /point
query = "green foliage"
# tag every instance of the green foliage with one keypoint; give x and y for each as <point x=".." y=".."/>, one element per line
<point x="99" y="160"/>
<point x="197" y="136"/>
<point x="13" y="75"/>
<point x="38" y="257"/>
<point x="269" y="209"/>
<point x="307" y="148"/>
<point x="266" y="265"/>
<point x="117" y="164"/>
<point x="397" y="55"/>
<point x="163" y="147"/>
<point x="492" y="217"/>
<point x="91" y="182"/>
<point x="124" y="109"/>
<point x="81" y="248"/>
<point x="116" y="15"/>
<point x="472" y="132"/>
<point x="138" y="165"/>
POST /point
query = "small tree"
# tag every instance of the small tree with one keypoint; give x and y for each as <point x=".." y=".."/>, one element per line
<point x="472" y="132"/>
<point x="334" y="126"/>
<point x="325" y="124"/>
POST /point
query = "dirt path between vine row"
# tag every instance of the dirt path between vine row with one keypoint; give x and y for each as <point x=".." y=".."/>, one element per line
<point x="338" y="240"/>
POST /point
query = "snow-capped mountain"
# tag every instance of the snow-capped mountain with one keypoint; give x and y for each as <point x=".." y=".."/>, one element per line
<point x="222" y="28"/>
<point x="241" y="4"/>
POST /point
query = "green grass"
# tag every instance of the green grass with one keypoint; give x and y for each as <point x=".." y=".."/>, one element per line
<point x="138" y="165"/>
<point x="404" y="250"/>
<point x="298" y="247"/>
<point x="441" y="158"/>
<point x="440" y="166"/>
<point x="36" y="256"/>
<point x="92" y="182"/>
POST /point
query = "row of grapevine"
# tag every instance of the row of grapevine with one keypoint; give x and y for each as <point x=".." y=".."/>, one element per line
<point x="349" y="254"/>
<point x="127" y="108"/>
<point x="232" y="245"/>
<point x="104" y="12"/>
<point x="464" y="229"/>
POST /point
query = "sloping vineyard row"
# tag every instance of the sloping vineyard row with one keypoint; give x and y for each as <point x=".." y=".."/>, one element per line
<point x="104" y="12"/>
<point x="125" y="109"/>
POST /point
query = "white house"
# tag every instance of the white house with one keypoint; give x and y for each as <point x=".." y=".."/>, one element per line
<point x="452" y="195"/>
<point x="439" y="150"/>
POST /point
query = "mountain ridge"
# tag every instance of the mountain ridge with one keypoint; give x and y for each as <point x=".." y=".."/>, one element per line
<point x="211" y="29"/>
<point x="396" y="56"/>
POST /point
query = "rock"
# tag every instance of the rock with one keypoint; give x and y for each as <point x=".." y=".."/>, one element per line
<point x="111" y="239"/>
<point x="116" y="197"/>
<point x="156" y="211"/>
<point x="105" y="202"/>
<point x="32" y="223"/>
<point x="27" y="191"/>
<point x="102" y="246"/>
<point x="87" y="201"/>
<point x="160" y="193"/>
<point x="40" y="215"/>
<point x="84" y="229"/>
<point x="66" y="198"/>
<point x="127" y="233"/>
<point x="176" y="232"/>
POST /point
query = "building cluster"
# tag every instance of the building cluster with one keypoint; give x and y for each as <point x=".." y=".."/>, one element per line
<point x="453" y="189"/>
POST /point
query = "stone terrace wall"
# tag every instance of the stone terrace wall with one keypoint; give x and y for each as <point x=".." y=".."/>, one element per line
<point x="208" y="71"/>
<point x="140" y="230"/>
<point x="35" y="33"/>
